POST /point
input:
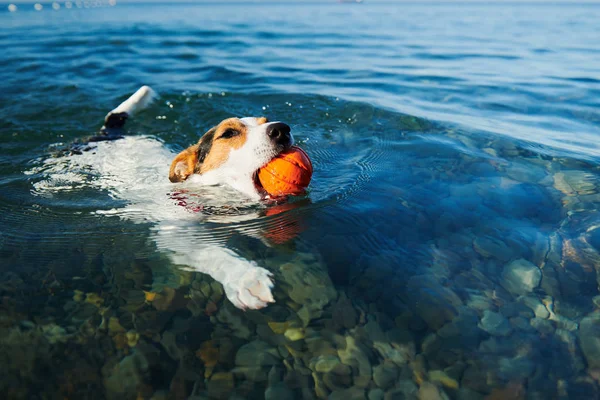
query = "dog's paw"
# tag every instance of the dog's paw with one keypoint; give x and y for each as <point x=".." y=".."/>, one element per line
<point x="251" y="290"/>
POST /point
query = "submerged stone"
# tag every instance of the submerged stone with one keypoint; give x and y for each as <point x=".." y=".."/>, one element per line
<point x="589" y="337"/>
<point x="257" y="353"/>
<point x="354" y="356"/>
<point x="442" y="378"/>
<point x="385" y="374"/>
<point x="490" y="247"/>
<point x="521" y="277"/>
<point x="220" y="385"/>
<point x="495" y="324"/>
<point x="429" y="391"/>
<point x="433" y="302"/>
<point x="352" y="393"/>
<point x="279" y="391"/>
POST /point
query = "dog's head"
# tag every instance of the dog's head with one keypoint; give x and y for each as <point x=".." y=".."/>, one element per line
<point x="235" y="147"/>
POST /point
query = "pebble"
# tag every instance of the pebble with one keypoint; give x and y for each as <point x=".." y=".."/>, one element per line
<point x="329" y="363"/>
<point x="442" y="378"/>
<point x="352" y="393"/>
<point x="538" y="308"/>
<point x="376" y="394"/>
<point x="220" y="385"/>
<point x="589" y="338"/>
<point x="521" y="277"/>
<point x="385" y="374"/>
<point x="429" y="391"/>
<point x="354" y="356"/>
<point x="294" y="334"/>
<point x="279" y="391"/>
<point x="495" y="324"/>
<point x="490" y="247"/>
<point x="542" y="325"/>
<point x="257" y="353"/>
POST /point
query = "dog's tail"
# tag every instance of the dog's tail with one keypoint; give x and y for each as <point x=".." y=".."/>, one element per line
<point x="115" y="120"/>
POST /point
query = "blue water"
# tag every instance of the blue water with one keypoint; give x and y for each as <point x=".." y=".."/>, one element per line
<point x="448" y="246"/>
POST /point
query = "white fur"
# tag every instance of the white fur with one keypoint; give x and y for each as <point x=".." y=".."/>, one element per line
<point x="135" y="170"/>
<point x="137" y="101"/>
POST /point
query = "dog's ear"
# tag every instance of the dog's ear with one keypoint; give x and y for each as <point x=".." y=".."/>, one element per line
<point x="184" y="164"/>
<point x="190" y="160"/>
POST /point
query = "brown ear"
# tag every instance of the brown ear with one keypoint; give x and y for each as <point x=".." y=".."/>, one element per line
<point x="184" y="164"/>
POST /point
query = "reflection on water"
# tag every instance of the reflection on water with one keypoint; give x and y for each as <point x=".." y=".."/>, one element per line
<point x="450" y="250"/>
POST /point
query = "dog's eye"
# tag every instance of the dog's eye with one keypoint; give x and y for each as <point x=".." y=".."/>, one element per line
<point x="229" y="133"/>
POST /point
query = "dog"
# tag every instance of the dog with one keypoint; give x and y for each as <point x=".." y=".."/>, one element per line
<point x="221" y="167"/>
<point x="232" y="152"/>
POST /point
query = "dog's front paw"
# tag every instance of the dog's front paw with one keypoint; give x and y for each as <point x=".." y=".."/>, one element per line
<point x="250" y="290"/>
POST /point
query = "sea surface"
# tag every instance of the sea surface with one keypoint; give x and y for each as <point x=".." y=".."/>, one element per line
<point x="448" y="247"/>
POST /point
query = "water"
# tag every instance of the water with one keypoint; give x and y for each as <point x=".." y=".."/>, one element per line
<point x="448" y="244"/>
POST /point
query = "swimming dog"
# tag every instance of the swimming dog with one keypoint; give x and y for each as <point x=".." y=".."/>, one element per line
<point x="134" y="169"/>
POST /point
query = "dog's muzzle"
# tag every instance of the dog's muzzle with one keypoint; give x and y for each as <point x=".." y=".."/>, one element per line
<point x="279" y="133"/>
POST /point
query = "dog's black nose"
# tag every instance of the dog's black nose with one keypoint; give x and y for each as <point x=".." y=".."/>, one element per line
<point x="279" y="132"/>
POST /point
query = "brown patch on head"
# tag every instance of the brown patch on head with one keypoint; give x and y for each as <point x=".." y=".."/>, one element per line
<point x="229" y="135"/>
<point x="189" y="161"/>
<point x="184" y="164"/>
<point x="212" y="150"/>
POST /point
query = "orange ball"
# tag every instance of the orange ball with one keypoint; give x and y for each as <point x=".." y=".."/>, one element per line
<point x="288" y="173"/>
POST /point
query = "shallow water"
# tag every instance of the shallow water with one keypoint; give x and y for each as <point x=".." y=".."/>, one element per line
<point x="448" y="247"/>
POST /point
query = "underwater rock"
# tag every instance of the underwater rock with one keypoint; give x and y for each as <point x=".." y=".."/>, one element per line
<point x="516" y="368"/>
<point x="114" y="326"/>
<point x="495" y="324"/>
<point x="309" y="285"/>
<point x="55" y="334"/>
<point x="521" y="324"/>
<point x="538" y="308"/>
<point x="220" y="385"/>
<point x="169" y="300"/>
<point x="433" y="302"/>
<point x="431" y="344"/>
<point x="375" y="394"/>
<point x="132" y="338"/>
<point x="336" y="382"/>
<point x="575" y="182"/>
<point x="257" y="353"/>
<point x="456" y="370"/>
<point x="320" y="389"/>
<point x="442" y="378"/>
<point x="490" y="247"/>
<point x="385" y="374"/>
<point x="169" y="343"/>
<point x="475" y="378"/>
<point x="543" y="326"/>
<point x="250" y="374"/>
<point x="92" y="298"/>
<point x="126" y="377"/>
<point x="525" y="173"/>
<point x="279" y="391"/>
<point x="429" y="391"/>
<point x="352" y="393"/>
<point x="209" y="354"/>
<point x="294" y="334"/>
<point x="234" y="319"/>
<point x="513" y="391"/>
<point x="329" y="363"/>
<point x="354" y="356"/>
<point x="589" y="338"/>
<point x="521" y="277"/>
<point x="469" y="394"/>
<point x="343" y="313"/>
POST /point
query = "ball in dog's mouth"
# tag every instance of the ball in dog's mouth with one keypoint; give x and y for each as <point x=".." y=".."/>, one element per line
<point x="288" y="173"/>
